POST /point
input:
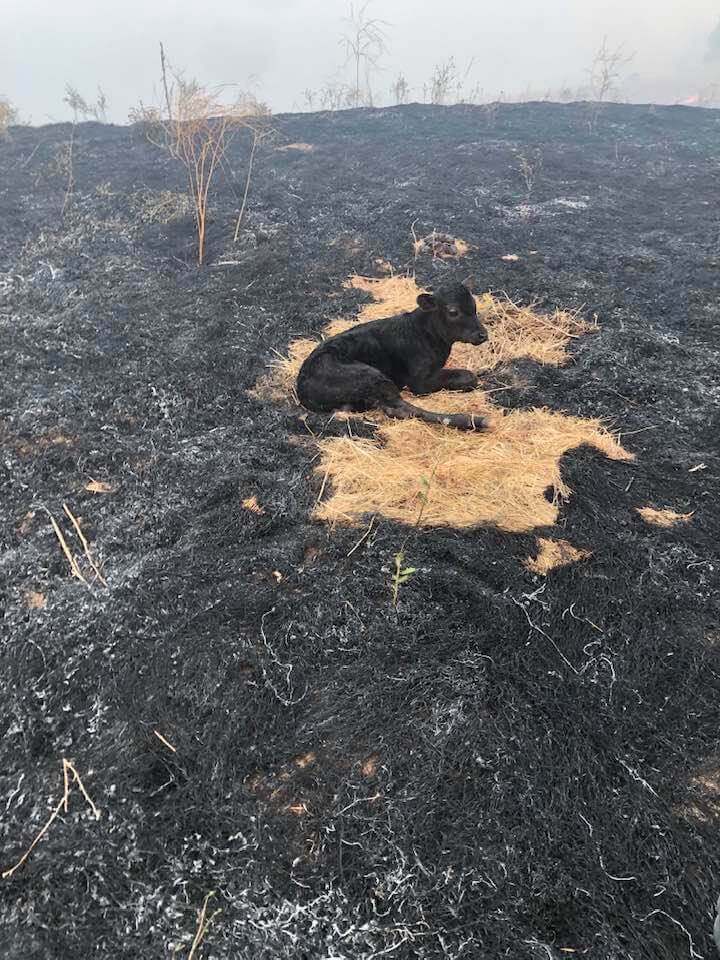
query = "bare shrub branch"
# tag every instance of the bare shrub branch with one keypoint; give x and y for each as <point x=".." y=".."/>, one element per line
<point x="199" y="127"/>
<point x="82" y="108"/>
<point x="605" y="72"/>
<point x="260" y="132"/>
<point x="400" y="90"/>
<point x="365" y="43"/>
<point x="444" y="78"/>
<point x="529" y="167"/>
<point x="8" y="115"/>
<point x="604" y="76"/>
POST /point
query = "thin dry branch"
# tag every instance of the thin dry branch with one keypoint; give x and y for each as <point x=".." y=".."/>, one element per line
<point x="365" y="43"/>
<point x="67" y="768"/>
<point x="259" y="133"/>
<point x="70" y="186"/>
<point x="86" y="546"/>
<point x="77" y="572"/>
<point x="162" y="740"/>
<point x="203" y="925"/>
<point x="163" y="68"/>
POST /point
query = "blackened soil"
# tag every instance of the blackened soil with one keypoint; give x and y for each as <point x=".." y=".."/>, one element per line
<point x="506" y="766"/>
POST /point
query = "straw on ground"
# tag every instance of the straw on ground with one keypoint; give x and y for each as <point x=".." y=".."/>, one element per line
<point x="498" y="477"/>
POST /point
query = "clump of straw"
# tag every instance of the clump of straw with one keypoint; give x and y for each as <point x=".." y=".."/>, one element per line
<point x="495" y="477"/>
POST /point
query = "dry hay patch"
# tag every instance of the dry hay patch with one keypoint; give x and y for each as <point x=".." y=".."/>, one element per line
<point x="35" y="444"/>
<point x="35" y="600"/>
<point x="496" y="477"/>
<point x="251" y="504"/>
<point x="704" y="792"/>
<point x="663" y="518"/>
<point x="552" y="554"/>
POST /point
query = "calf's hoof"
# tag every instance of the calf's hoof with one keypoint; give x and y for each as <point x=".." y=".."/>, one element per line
<point x="454" y="379"/>
<point x="467" y="421"/>
<point x="468" y="381"/>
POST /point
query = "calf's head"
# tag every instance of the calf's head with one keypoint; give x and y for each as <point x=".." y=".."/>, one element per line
<point x="455" y="314"/>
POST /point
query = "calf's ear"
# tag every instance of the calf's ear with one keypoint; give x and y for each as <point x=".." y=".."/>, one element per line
<point x="469" y="282"/>
<point x="426" y="302"/>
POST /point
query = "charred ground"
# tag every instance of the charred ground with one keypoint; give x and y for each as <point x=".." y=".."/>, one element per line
<point x="507" y="765"/>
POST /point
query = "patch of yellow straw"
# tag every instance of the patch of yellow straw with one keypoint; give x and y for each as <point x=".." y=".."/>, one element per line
<point x="498" y="477"/>
<point x="552" y="554"/>
<point x="495" y="477"/>
<point x="663" y="518"/>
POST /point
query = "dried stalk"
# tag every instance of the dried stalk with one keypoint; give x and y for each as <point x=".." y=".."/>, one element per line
<point x="203" y="925"/>
<point x="68" y="767"/>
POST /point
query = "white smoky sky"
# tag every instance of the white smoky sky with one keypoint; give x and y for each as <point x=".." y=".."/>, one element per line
<point x="280" y="48"/>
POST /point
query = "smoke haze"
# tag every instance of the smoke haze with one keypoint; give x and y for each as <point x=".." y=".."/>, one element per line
<point x="280" y="49"/>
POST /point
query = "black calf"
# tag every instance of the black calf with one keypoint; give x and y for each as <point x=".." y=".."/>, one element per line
<point x="367" y="366"/>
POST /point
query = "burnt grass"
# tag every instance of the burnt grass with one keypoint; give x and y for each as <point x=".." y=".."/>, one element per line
<point x="506" y="765"/>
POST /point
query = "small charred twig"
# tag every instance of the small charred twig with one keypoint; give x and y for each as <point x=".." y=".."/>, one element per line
<point x="257" y="136"/>
<point x="70" y="172"/>
<point x="66" y="550"/>
<point x="417" y="244"/>
<point x="287" y="667"/>
<point x="203" y="924"/>
<point x="247" y="186"/>
<point x="32" y="153"/>
<point x="534" y="626"/>
<point x="68" y="768"/>
<point x="162" y="740"/>
<point x="163" y="67"/>
<point x="364" y="537"/>
<point x="86" y="546"/>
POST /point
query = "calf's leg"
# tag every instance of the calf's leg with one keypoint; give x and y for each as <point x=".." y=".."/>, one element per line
<point x="445" y="379"/>
<point x="328" y="384"/>
<point x="457" y="380"/>
<point x="332" y="385"/>
<point x="401" y="410"/>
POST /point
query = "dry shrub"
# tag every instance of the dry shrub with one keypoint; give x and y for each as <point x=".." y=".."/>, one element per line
<point x="552" y="554"/>
<point x="199" y="132"/>
<point x="497" y="477"/>
<point x="196" y="125"/>
<point x="8" y="115"/>
<point x="663" y="518"/>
